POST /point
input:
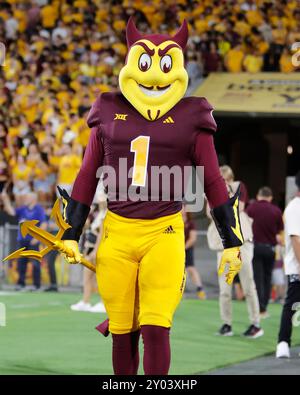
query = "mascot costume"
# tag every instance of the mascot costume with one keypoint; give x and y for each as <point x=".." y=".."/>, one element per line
<point x="140" y="261"/>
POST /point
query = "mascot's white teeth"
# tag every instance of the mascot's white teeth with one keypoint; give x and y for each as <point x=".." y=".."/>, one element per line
<point x="154" y="93"/>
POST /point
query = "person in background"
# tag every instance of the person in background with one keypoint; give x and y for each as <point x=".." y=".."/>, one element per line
<point x="194" y="68"/>
<point x="28" y="211"/>
<point x="21" y="176"/>
<point x="234" y="59"/>
<point x="68" y="167"/>
<point x="278" y="278"/>
<point x="51" y="257"/>
<point x="292" y="270"/>
<point x="253" y="62"/>
<point x="40" y="182"/>
<point x="267" y="225"/>
<point x="190" y="240"/>
<point x="92" y="238"/>
<point x="3" y="172"/>
<point x="246" y="274"/>
<point x="285" y="64"/>
<point x="211" y="59"/>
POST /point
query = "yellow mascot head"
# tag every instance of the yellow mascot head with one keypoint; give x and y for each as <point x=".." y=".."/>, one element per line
<point x="154" y="79"/>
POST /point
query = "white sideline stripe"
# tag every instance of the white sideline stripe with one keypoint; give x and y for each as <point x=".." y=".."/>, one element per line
<point x="27" y="306"/>
<point x="7" y="293"/>
<point x="22" y="306"/>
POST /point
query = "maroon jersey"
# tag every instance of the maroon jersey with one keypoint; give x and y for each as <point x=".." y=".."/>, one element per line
<point x="267" y="221"/>
<point x="182" y="137"/>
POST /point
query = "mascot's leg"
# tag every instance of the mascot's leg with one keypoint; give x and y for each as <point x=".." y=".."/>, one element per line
<point x="161" y="282"/>
<point x="116" y="275"/>
<point x="125" y="354"/>
<point x="157" y="352"/>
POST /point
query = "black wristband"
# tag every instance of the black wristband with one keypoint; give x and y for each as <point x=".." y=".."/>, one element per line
<point x="227" y="220"/>
<point x="75" y="214"/>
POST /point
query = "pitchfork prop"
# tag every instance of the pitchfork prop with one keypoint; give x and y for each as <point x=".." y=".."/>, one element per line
<point x="52" y="242"/>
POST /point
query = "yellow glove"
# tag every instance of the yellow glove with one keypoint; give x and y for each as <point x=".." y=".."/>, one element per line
<point x="232" y="256"/>
<point x="70" y="250"/>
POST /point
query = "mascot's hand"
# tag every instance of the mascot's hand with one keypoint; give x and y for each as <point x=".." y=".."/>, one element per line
<point x="232" y="256"/>
<point x="70" y="250"/>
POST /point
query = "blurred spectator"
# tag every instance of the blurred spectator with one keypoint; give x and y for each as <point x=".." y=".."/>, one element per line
<point x="253" y="62"/>
<point x="33" y="17"/>
<point x="265" y="29"/>
<point x="246" y="274"/>
<point x="11" y="26"/>
<point x="51" y="257"/>
<point x="234" y="59"/>
<point x="211" y="59"/>
<point x="190" y="240"/>
<point x="278" y="279"/>
<point x="21" y="179"/>
<point x="267" y="225"/>
<point x="60" y="34"/>
<point x="194" y="68"/>
<point x="92" y="238"/>
<point x="28" y="211"/>
<point x="285" y="64"/>
<point x="292" y="270"/>
<point x="41" y="182"/>
<point x="68" y="168"/>
<point x="3" y="171"/>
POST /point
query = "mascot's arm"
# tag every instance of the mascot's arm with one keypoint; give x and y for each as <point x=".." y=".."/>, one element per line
<point x="77" y="206"/>
<point x="224" y="211"/>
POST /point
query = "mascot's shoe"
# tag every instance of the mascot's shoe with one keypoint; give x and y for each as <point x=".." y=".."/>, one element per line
<point x="98" y="308"/>
<point x="282" y="350"/>
<point x="81" y="306"/>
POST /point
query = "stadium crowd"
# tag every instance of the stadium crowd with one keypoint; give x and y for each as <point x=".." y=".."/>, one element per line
<point x="61" y="54"/>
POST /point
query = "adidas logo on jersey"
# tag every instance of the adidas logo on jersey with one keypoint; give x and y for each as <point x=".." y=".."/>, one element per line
<point x="168" y="120"/>
<point x="169" y="230"/>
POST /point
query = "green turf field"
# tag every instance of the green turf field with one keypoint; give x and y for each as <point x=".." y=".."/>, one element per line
<point x="43" y="336"/>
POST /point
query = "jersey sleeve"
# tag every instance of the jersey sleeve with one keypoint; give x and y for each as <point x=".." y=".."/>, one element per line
<point x="86" y="181"/>
<point x="205" y="155"/>
<point x="203" y="118"/>
<point x="94" y="116"/>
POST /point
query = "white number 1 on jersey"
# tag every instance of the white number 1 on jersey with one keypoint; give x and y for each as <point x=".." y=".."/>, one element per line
<point x="140" y="147"/>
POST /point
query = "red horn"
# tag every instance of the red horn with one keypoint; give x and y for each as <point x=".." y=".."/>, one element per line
<point x="132" y="33"/>
<point x="182" y="35"/>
